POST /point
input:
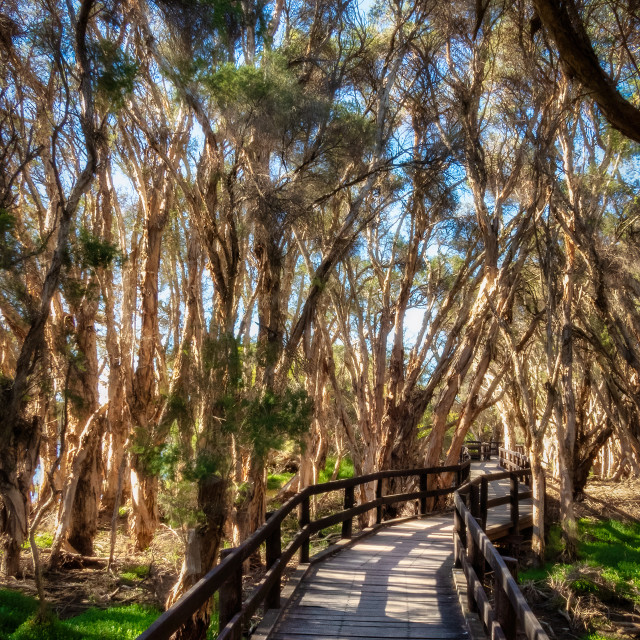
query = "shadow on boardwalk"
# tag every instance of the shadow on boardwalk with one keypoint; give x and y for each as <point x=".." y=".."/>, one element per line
<point x="394" y="584"/>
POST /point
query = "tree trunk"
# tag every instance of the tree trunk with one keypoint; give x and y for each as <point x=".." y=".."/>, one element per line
<point x="119" y="345"/>
<point x="250" y="512"/>
<point x="20" y="438"/>
<point x="584" y="458"/>
<point x="144" y="406"/>
<point x="144" y="502"/>
<point x="17" y="466"/>
<point x="10" y="565"/>
<point x="90" y="434"/>
<point x="201" y="552"/>
<point x="84" y="518"/>
<point x="83" y="385"/>
<point x="538" y="488"/>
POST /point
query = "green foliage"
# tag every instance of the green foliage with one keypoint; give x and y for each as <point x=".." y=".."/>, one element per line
<point x="223" y="358"/>
<point x="179" y="502"/>
<point x="88" y="253"/>
<point x="346" y="469"/>
<point x="150" y="454"/>
<point x="271" y="87"/>
<point x="273" y="418"/>
<point x="95" y="253"/>
<point x="276" y="481"/>
<point x="134" y="572"/>
<point x="9" y="246"/>
<point x="116" y="74"/>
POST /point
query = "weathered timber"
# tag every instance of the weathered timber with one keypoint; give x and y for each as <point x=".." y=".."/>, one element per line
<point x="394" y="584"/>
<point x="474" y="550"/>
<point x="269" y="588"/>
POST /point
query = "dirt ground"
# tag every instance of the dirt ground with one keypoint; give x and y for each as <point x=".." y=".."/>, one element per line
<point x="143" y="578"/>
<point x="604" y="499"/>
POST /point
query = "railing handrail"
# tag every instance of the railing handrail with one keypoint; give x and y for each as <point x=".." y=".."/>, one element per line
<point x="473" y="548"/>
<point x="270" y="532"/>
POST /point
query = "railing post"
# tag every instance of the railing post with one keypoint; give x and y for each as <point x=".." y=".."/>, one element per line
<point x="303" y="521"/>
<point x="349" y="501"/>
<point x="476" y="559"/>
<point x="474" y="501"/>
<point x="423" y="499"/>
<point x="274" y="551"/>
<point x="378" y="496"/>
<point x="512" y="565"/>
<point x="461" y="531"/>
<point x="513" y="502"/>
<point x="231" y="596"/>
<point x="504" y="612"/>
<point x="484" y="496"/>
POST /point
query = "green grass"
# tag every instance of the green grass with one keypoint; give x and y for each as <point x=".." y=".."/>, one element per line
<point x="115" y="623"/>
<point x="614" y="546"/>
<point x="610" y="551"/>
<point x="276" y="481"/>
<point x="17" y="621"/>
<point x="43" y="541"/>
<point x="15" y="608"/>
<point x="345" y="471"/>
<point x="134" y="572"/>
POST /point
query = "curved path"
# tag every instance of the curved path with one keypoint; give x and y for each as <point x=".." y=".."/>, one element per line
<point x="394" y="584"/>
<point x="499" y="518"/>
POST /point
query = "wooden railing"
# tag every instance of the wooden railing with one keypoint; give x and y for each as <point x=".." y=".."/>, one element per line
<point x="479" y="450"/>
<point x="226" y="577"/>
<point x="513" y="460"/>
<point x="474" y="552"/>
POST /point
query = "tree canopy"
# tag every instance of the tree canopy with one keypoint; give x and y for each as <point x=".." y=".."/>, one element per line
<point x="231" y="229"/>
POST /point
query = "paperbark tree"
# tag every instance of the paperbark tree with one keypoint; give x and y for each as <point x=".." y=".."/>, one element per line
<point x="21" y="428"/>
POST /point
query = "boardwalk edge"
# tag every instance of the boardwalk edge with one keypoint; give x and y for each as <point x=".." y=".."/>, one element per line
<point x="472" y="620"/>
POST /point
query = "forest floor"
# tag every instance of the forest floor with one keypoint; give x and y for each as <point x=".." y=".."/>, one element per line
<point x="143" y="578"/>
<point x="135" y="577"/>
<point x="146" y="577"/>
<point x="597" y="597"/>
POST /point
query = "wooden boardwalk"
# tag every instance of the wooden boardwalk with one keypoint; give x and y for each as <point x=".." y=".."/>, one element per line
<point x="394" y="584"/>
<point x="499" y="518"/>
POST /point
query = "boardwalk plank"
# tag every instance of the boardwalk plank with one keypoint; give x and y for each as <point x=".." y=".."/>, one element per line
<point x="395" y="584"/>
